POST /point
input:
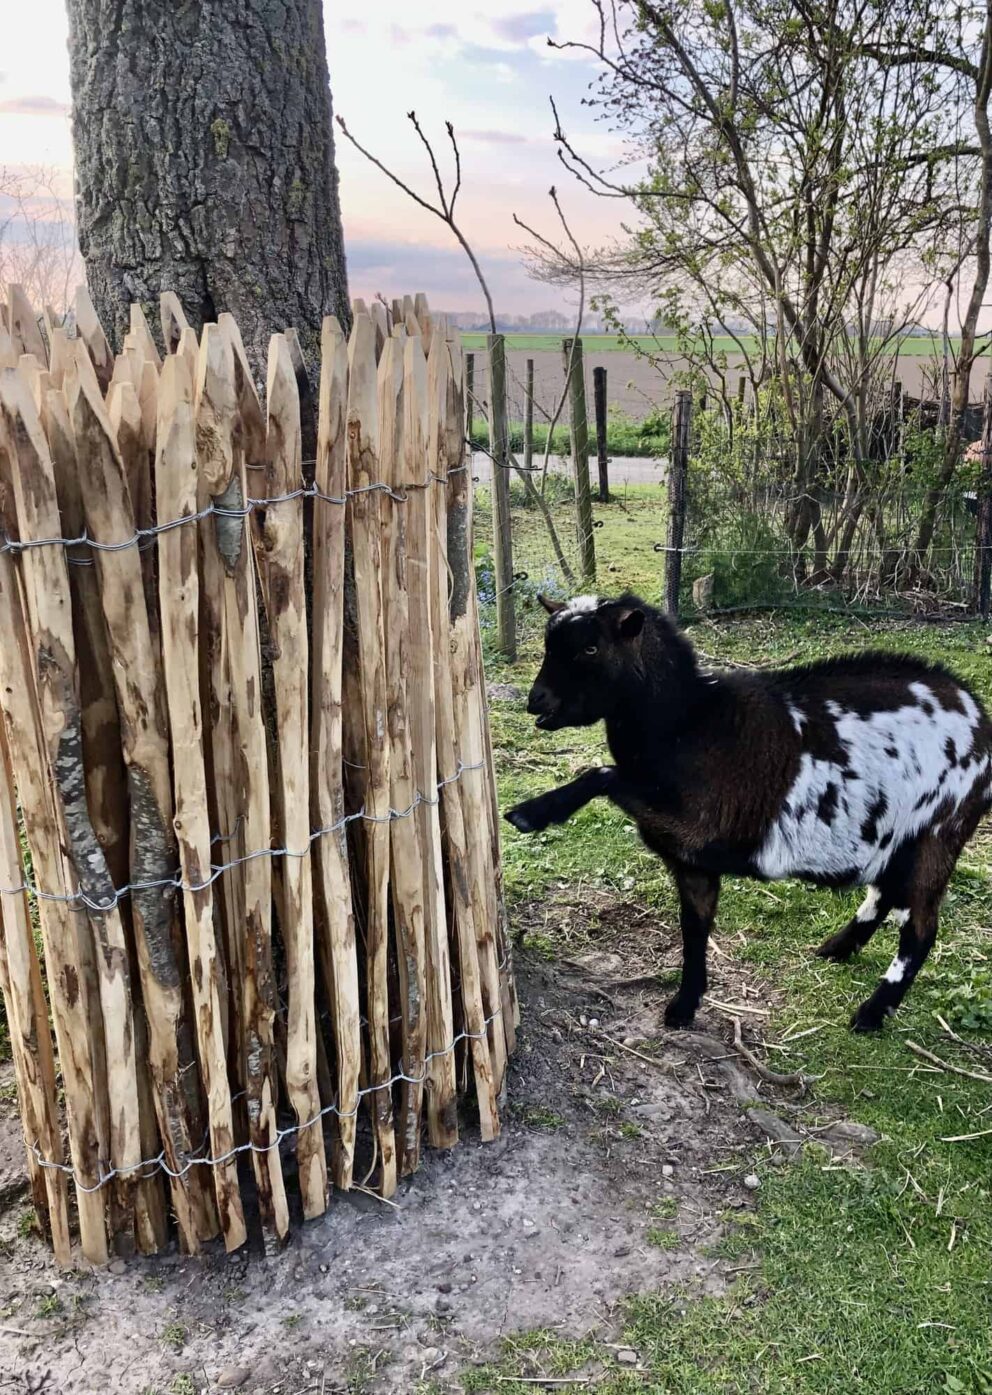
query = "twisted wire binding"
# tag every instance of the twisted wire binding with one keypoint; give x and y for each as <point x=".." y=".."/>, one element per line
<point x="175" y="882"/>
<point x="159" y="1163"/>
<point x="144" y="535"/>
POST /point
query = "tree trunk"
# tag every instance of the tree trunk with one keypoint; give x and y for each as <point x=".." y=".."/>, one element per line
<point x="205" y="163"/>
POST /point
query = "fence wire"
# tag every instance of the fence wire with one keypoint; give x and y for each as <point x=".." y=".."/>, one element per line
<point x="80" y="899"/>
<point x="159" y="1164"/>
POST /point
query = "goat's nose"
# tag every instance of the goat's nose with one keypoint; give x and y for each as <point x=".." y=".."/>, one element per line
<point x="539" y="700"/>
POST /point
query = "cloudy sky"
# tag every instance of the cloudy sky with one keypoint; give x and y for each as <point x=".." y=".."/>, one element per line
<point x="489" y="71"/>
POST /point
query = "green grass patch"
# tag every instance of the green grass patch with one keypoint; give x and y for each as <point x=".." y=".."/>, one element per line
<point x="910" y="347"/>
<point x="650" y="437"/>
<point x="874" y="1278"/>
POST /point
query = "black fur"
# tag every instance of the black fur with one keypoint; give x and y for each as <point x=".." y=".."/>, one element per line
<point x="709" y="766"/>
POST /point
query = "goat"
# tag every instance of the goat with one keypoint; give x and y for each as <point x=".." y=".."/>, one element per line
<point x="871" y="770"/>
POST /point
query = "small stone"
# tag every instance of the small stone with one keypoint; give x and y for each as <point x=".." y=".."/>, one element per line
<point x="232" y="1377"/>
<point x="621" y="1252"/>
<point x="594" y="1022"/>
<point x="504" y="692"/>
<point x="583" y="1021"/>
<point x="443" y="1305"/>
<point x="667" y="1170"/>
<point x="752" y="1181"/>
<point x="627" y="1356"/>
<point x="325" y="1268"/>
<point x="118" y="1267"/>
<point x="444" y="1288"/>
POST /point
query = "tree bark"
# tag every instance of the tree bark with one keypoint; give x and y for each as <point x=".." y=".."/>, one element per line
<point x="205" y="163"/>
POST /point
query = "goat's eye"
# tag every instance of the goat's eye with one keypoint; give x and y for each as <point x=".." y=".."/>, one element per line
<point x="591" y="649"/>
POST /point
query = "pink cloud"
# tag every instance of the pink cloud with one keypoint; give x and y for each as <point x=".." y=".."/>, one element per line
<point x="33" y="106"/>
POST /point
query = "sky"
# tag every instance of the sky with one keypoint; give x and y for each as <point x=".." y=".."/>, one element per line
<point x="490" y="71"/>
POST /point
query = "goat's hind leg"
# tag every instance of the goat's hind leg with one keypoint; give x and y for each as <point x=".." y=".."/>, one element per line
<point x="859" y="930"/>
<point x="916" y="912"/>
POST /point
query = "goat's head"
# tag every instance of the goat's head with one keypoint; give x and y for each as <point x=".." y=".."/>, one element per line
<point x="590" y="647"/>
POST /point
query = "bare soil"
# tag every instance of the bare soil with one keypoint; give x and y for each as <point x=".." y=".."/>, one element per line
<point x="610" y="1124"/>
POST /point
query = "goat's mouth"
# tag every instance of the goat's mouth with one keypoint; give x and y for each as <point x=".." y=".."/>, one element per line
<point x="548" y="721"/>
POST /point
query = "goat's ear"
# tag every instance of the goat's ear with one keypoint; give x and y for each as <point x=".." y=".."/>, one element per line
<point x="630" y="623"/>
<point x="552" y="607"/>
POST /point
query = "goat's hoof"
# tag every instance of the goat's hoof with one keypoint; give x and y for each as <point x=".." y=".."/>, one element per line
<point x="837" y="948"/>
<point x="868" y="1018"/>
<point x="679" y="1014"/>
<point x="525" y="819"/>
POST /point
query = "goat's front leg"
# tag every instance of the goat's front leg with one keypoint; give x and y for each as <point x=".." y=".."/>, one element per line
<point x="699" y="893"/>
<point x="558" y="806"/>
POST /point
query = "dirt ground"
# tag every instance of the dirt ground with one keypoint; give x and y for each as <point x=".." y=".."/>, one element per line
<point x="610" y="1124"/>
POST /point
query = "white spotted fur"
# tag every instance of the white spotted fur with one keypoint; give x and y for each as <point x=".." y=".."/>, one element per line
<point x="799" y="842"/>
<point x="869" y="906"/>
<point x="896" y="970"/>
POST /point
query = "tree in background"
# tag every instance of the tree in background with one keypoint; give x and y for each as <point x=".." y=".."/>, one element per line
<point x="205" y="162"/>
<point x="37" y="238"/>
<point x="812" y="181"/>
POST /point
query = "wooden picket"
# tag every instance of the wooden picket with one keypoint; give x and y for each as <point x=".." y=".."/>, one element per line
<point x="245" y="733"/>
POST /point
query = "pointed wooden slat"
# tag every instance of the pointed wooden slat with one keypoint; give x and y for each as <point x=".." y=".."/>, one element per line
<point x="281" y="566"/>
<point x="141" y="336"/>
<point x="469" y="707"/>
<point x="23" y="326"/>
<point x="464" y="905"/>
<point x="365" y="521"/>
<point x="106" y="778"/>
<point x="175" y="486"/>
<point x="228" y="564"/>
<point x="27" y="1017"/>
<point x="337" y="921"/>
<point x="60" y="356"/>
<point x="173" y="319"/>
<point x="422" y="311"/>
<point x="442" y="1113"/>
<point x="407" y="869"/>
<point x="8" y="351"/>
<point x="62" y="924"/>
<point x="50" y="622"/>
<point x="383" y="329"/>
<point x="90" y="331"/>
<point x="189" y="348"/>
<point x="144" y="731"/>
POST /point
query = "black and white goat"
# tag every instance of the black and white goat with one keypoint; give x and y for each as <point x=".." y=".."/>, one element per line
<point x="869" y="770"/>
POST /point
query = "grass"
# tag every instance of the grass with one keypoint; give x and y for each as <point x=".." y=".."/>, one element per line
<point x="875" y="1278"/>
<point x="650" y="438"/>
<point x="910" y="347"/>
<point x="626" y="532"/>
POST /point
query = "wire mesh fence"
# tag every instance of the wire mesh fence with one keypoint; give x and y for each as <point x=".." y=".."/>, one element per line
<point x="728" y="515"/>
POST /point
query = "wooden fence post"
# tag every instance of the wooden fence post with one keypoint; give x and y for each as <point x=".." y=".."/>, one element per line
<point x="599" y="396"/>
<point x="469" y="396"/>
<point x="327" y="784"/>
<point x="677" y="474"/>
<point x="406" y="850"/>
<point x="506" y="619"/>
<point x="468" y="933"/>
<point x="179" y="592"/>
<point x="528" y="417"/>
<point x="365" y="517"/>
<point x="575" y="377"/>
<point x="429" y="627"/>
<point x="983" y="520"/>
